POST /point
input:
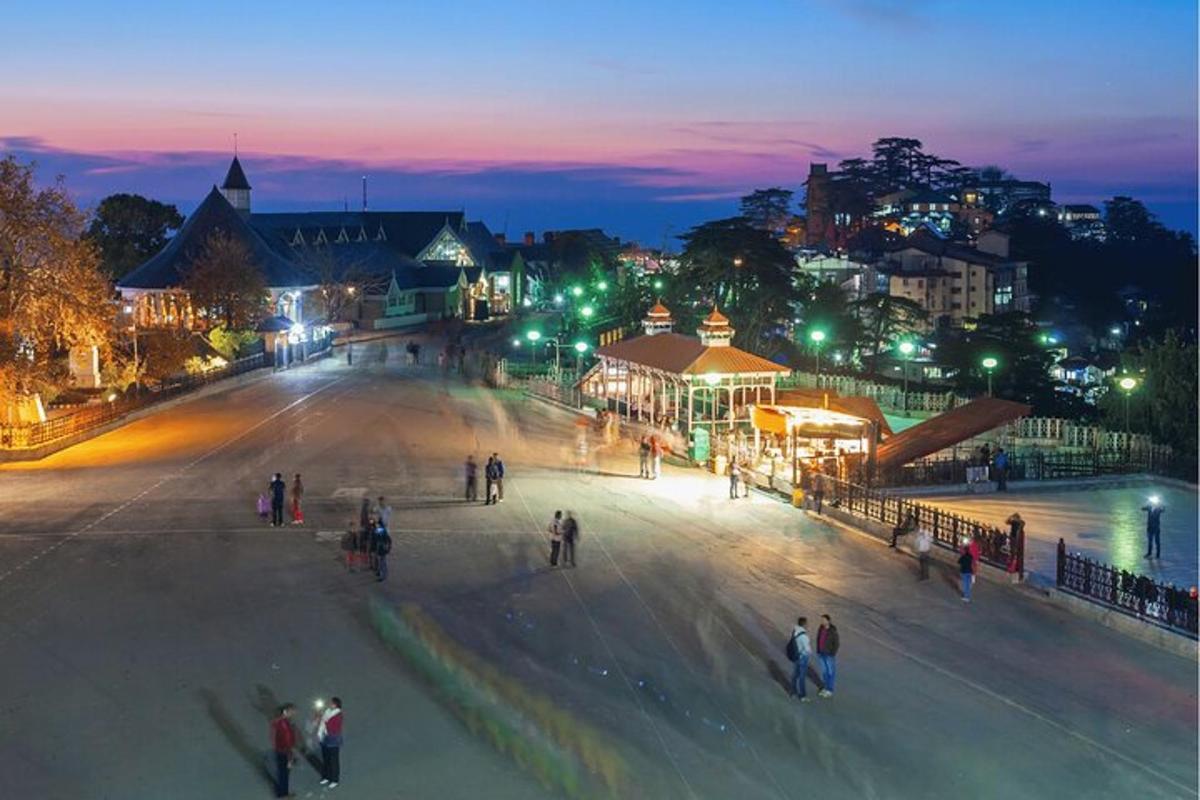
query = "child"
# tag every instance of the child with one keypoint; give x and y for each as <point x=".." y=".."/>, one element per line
<point x="264" y="506"/>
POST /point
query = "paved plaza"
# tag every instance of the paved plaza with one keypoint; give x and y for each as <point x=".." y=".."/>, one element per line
<point x="150" y="624"/>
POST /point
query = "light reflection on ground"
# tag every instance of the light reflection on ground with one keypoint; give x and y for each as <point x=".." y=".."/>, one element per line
<point x="1106" y="523"/>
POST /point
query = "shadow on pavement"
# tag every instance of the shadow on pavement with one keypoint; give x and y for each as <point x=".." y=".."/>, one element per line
<point x="256" y="758"/>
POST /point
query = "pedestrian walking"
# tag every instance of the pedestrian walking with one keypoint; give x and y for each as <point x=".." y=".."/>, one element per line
<point x="383" y="514"/>
<point x="644" y="458"/>
<point x="329" y="736"/>
<point x="283" y="743"/>
<point x="1016" y="529"/>
<point x="656" y="456"/>
<point x="277" y="488"/>
<point x="1000" y="465"/>
<point x="499" y="478"/>
<point x="735" y="472"/>
<point x="966" y="567"/>
<point x="828" y="643"/>
<point x="297" y="499"/>
<point x="364" y="514"/>
<point x="555" y="529"/>
<point x="570" y="532"/>
<point x="383" y="546"/>
<point x="472" y="473"/>
<point x="818" y="490"/>
<point x="1154" y="511"/>
<point x="350" y="544"/>
<point x="904" y="528"/>
<point x="263" y="505"/>
<point x="924" y="546"/>
<point x="489" y="475"/>
<point x="798" y="651"/>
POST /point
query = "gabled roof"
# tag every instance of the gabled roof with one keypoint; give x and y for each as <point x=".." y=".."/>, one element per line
<point x="405" y="232"/>
<point x="946" y="430"/>
<point x="235" y="178"/>
<point x="685" y="355"/>
<point x="927" y="242"/>
<point x="168" y="268"/>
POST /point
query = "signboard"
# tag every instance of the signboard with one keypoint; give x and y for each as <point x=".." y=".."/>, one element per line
<point x="701" y="446"/>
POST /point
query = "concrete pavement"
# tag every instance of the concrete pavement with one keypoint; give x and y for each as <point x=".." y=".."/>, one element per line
<point x="149" y="623"/>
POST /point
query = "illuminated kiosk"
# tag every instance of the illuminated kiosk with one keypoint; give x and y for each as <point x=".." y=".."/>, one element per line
<point x="790" y="439"/>
<point x="682" y="382"/>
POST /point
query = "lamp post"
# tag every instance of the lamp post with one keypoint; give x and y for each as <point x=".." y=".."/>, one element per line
<point x="137" y="375"/>
<point x="817" y="336"/>
<point x="906" y="350"/>
<point x="989" y="364"/>
<point x="580" y="349"/>
<point x="1127" y="384"/>
<point x="533" y="337"/>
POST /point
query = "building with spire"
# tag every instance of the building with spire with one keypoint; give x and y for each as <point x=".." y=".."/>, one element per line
<point x="688" y="381"/>
<point x="400" y="267"/>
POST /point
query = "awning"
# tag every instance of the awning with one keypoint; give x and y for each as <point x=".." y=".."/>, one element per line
<point x="811" y="423"/>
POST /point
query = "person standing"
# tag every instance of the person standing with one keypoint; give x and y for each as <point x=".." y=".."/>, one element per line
<point x="818" y="480"/>
<point x="383" y="514"/>
<point x="735" y="472"/>
<point x="499" y="478"/>
<point x="966" y="569"/>
<point x="656" y="455"/>
<point x="924" y="546"/>
<point x="644" y="458"/>
<point x="489" y="475"/>
<point x="827" y="649"/>
<point x="1154" y="510"/>
<point x="1000" y="464"/>
<point x="283" y="742"/>
<point x="555" y="529"/>
<point x="798" y="652"/>
<point x="383" y="546"/>
<point x="570" y="536"/>
<point x="297" y="499"/>
<point x="329" y="735"/>
<point x="278" y="489"/>
<point x="472" y="471"/>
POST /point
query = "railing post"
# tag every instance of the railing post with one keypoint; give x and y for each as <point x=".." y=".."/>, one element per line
<point x="1060" y="561"/>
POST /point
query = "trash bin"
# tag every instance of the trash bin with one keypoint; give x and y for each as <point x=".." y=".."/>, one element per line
<point x="798" y="497"/>
<point x="719" y="463"/>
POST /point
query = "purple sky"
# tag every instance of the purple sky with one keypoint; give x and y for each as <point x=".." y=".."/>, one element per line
<point x="640" y="120"/>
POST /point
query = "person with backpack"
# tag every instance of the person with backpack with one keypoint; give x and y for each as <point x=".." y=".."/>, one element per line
<point x="827" y="649"/>
<point x="966" y="568"/>
<point x="570" y="536"/>
<point x="329" y="736"/>
<point x="277" y="488"/>
<point x="798" y="652"/>
<point x="383" y="546"/>
<point x="555" y="530"/>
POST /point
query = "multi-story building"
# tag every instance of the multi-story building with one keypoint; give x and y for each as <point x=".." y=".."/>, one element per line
<point x="955" y="283"/>
<point x="1083" y="222"/>
<point x="1002" y="195"/>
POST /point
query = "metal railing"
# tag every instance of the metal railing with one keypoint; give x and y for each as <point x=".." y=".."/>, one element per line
<point x="1032" y="467"/>
<point x="26" y="437"/>
<point x="996" y="546"/>
<point x="1136" y="595"/>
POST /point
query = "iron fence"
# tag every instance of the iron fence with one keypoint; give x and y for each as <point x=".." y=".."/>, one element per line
<point x="25" y="437"/>
<point x="1136" y="595"/>
<point x="1032" y="466"/>
<point x="996" y="547"/>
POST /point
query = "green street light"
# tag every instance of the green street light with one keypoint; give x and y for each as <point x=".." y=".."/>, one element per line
<point x="658" y="284"/>
<point x="1127" y="384"/>
<point x="989" y="364"/>
<point x="533" y="337"/>
<point x="516" y="342"/>
<point x="817" y="336"/>
<point x="602" y="285"/>
<point x="587" y="311"/>
<point x="577" y="291"/>
<point x="581" y="347"/>
<point x="906" y="350"/>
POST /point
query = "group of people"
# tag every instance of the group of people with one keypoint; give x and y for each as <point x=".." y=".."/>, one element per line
<point x="270" y="502"/>
<point x="368" y="541"/>
<point x="800" y="650"/>
<point x="564" y="533"/>
<point x="493" y="475"/>
<point x="327" y="727"/>
<point x="985" y="465"/>
<point x="650" y="456"/>
<point x="738" y="478"/>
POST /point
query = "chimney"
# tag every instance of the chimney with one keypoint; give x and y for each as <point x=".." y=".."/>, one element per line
<point x="500" y="238"/>
<point x="529" y="239"/>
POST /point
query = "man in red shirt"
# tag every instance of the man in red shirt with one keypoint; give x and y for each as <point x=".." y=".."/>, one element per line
<point x="283" y="742"/>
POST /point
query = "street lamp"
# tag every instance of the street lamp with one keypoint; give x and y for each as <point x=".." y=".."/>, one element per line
<point x="658" y="284"/>
<point x="587" y="312"/>
<point x="580" y="349"/>
<point x="989" y="364"/>
<point x="817" y="336"/>
<point x="906" y="350"/>
<point x="137" y="377"/>
<point x="533" y="337"/>
<point x="558" y="299"/>
<point x="602" y="286"/>
<point x="577" y="291"/>
<point x="1127" y="384"/>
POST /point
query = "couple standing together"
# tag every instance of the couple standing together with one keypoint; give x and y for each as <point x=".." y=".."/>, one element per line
<point x="800" y="650"/>
<point x="274" y="497"/>
<point x="563" y="535"/>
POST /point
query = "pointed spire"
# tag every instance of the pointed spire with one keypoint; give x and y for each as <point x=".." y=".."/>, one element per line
<point x="658" y="320"/>
<point x="715" y="331"/>
<point x="235" y="178"/>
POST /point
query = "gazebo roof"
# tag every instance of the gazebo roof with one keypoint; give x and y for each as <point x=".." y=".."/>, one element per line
<point x="716" y="320"/>
<point x="686" y="355"/>
<point x="659" y="311"/>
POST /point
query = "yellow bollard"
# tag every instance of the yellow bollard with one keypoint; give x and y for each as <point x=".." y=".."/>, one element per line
<point x="798" y="497"/>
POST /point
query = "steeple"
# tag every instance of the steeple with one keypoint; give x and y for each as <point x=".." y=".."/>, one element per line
<point x="236" y="188"/>
<point x="658" y="320"/>
<point x="715" y="331"/>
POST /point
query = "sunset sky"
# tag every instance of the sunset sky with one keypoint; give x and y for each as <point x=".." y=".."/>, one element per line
<point x="640" y="117"/>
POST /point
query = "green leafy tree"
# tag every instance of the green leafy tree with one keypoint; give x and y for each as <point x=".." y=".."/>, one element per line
<point x="226" y="284"/>
<point x="828" y="308"/>
<point x="232" y="344"/>
<point x="1023" y="370"/>
<point x="53" y="295"/>
<point x="743" y="270"/>
<point x="768" y="209"/>
<point x="883" y="318"/>
<point x="128" y="229"/>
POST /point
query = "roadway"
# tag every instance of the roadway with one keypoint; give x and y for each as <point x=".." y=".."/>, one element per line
<point x="149" y="624"/>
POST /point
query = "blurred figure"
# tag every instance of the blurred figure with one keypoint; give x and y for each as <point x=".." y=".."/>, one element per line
<point x="297" y="499"/>
<point x="472" y="474"/>
<point x="656" y="454"/>
<point x="350" y="544"/>
<point x="570" y="531"/>
<point x="277" y="488"/>
<point x="499" y="478"/>
<point x="383" y="547"/>
<point x="924" y="546"/>
<point x="966" y="570"/>
<point x="644" y="458"/>
<point x="555" y="530"/>
<point x="904" y="528"/>
<point x="1154" y="510"/>
<point x="735" y="474"/>
<point x="1000" y="467"/>
<point x="383" y="514"/>
<point x="263" y="506"/>
<point x="489" y="474"/>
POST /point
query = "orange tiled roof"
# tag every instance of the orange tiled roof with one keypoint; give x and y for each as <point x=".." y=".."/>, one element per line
<point x="659" y="310"/>
<point x="685" y="355"/>
<point x="716" y="318"/>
